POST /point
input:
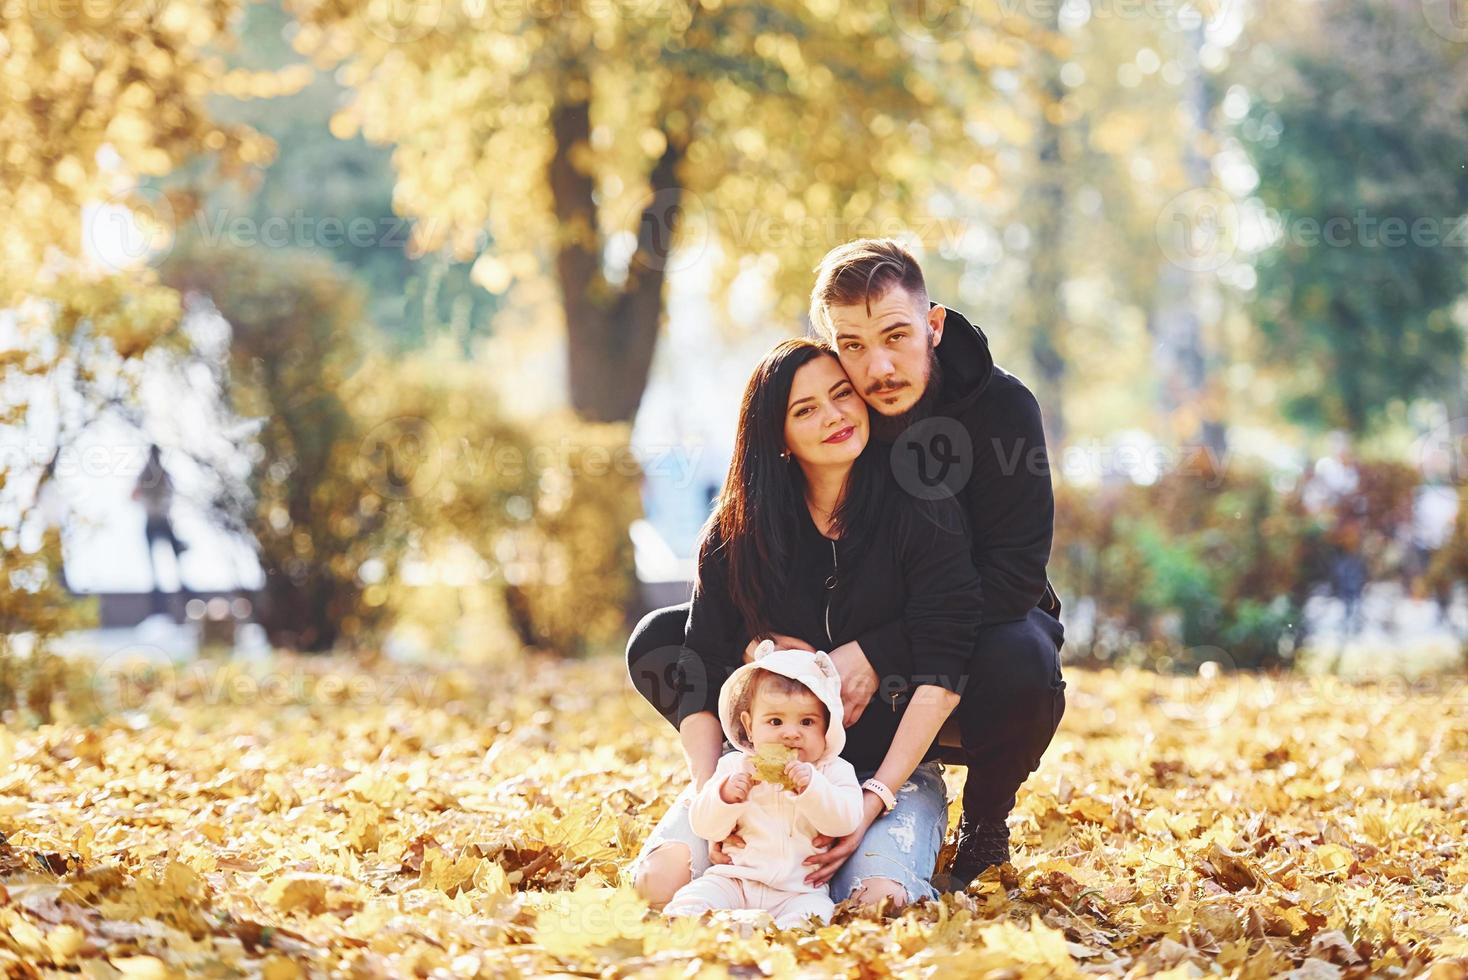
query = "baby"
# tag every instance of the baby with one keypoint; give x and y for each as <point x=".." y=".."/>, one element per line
<point x="790" y="699"/>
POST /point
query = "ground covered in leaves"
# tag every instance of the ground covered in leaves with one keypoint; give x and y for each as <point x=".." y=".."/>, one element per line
<point x="307" y="817"/>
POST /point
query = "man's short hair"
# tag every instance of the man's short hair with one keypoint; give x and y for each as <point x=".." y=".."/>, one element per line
<point x="859" y="272"/>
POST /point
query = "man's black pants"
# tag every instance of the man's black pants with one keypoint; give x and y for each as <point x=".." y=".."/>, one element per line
<point x="1010" y="706"/>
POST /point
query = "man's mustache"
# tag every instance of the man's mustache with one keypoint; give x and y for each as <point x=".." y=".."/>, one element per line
<point x="879" y="388"/>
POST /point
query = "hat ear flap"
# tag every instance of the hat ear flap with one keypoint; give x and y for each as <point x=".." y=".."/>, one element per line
<point x="765" y="648"/>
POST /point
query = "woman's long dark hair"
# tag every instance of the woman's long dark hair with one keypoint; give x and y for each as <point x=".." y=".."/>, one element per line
<point x="758" y="513"/>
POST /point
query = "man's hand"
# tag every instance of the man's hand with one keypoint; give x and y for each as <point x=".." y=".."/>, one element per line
<point x="782" y="642"/>
<point x="858" y="680"/>
<point x="718" y="852"/>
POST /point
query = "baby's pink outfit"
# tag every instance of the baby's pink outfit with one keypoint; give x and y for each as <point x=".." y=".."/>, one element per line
<point x="777" y="824"/>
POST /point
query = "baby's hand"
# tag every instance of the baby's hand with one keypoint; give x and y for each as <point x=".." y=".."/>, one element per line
<point x="735" y="788"/>
<point x="799" y="773"/>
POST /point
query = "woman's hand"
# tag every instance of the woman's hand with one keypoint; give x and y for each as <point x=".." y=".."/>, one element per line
<point x="824" y="864"/>
<point x="782" y="642"/>
<point x="858" y="680"/>
<point x="718" y="849"/>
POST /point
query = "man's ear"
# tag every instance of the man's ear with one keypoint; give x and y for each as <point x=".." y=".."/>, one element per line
<point x="937" y="314"/>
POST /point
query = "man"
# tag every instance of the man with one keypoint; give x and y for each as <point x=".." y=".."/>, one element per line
<point x="955" y="425"/>
<point x="958" y="425"/>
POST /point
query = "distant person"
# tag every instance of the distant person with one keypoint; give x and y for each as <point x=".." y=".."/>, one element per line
<point x="154" y="490"/>
<point x="1333" y="491"/>
<point x="1434" y="515"/>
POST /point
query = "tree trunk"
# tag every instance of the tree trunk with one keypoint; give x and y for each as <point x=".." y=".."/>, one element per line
<point x="611" y="329"/>
<point x="1185" y="365"/>
<point x="1047" y="268"/>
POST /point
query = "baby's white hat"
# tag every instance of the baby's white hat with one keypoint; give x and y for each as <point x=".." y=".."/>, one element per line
<point x="814" y="670"/>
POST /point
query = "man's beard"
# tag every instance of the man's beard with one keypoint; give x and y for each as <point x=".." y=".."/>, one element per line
<point x="888" y="428"/>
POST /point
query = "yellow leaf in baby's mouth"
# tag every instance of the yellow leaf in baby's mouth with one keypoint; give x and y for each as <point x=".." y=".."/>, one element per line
<point x="770" y="762"/>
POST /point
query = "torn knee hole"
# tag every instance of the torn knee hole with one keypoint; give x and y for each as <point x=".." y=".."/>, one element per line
<point x="871" y="891"/>
<point x="667" y="861"/>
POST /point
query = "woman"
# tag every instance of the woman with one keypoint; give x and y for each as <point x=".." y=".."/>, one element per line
<point x="812" y="542"/>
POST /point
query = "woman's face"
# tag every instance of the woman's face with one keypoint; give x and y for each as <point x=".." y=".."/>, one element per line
<point x="825" y="420"/>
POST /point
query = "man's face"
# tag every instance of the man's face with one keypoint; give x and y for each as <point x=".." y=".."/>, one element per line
<point x="886" y="352"/>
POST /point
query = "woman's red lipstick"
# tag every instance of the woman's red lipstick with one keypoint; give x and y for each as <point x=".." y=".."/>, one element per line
<point x="840" y="435"/>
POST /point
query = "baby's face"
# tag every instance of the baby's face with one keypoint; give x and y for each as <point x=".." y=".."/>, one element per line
<point x="796" y="719"/>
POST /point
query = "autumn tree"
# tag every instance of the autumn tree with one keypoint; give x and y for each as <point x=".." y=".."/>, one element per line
<point x="602" y="146"/>
<point x="97" y="97"/>
<point x="1356" y="126"/>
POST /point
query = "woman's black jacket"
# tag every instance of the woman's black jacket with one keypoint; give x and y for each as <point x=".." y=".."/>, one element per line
<point x="912" y="564"/>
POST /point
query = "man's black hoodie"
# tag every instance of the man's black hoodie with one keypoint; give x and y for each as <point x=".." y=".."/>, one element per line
<point x="985" y="445"/>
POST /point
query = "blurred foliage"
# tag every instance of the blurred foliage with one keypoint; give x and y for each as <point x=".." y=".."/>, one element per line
<point x="95" y="97"/>
<point x="293" y="363"/>
<point x="350" y="217"/>
<point x="534" y="515"/>
<point x="1209" y="559"/>
<point x="641" y="137"/>
<point x="382" y="485"/>
<point x="1188" y="562"/>
<point x="1357" y="117"/>
<point x="34" y="609"/>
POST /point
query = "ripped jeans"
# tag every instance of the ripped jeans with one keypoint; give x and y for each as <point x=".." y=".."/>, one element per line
<point x="902" y="845"/>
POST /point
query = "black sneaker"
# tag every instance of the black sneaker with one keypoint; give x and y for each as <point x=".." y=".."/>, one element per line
<point x="981" y="845"/>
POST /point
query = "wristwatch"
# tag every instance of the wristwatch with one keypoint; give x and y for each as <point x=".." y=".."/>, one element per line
<point x="883" y="793"/>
